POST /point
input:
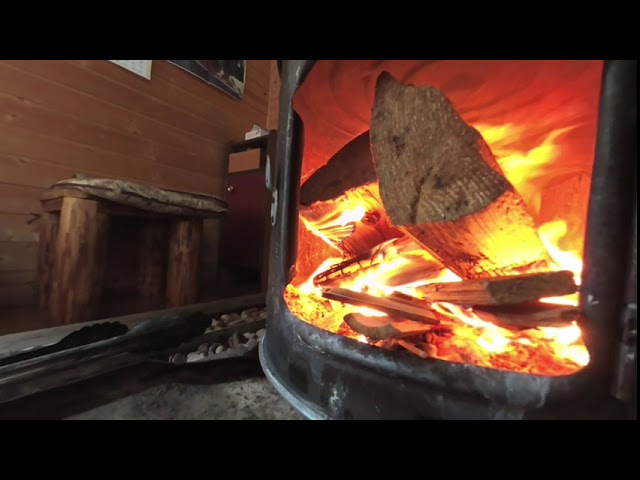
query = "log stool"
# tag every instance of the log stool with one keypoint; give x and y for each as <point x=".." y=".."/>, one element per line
<point x="73" y="245"/>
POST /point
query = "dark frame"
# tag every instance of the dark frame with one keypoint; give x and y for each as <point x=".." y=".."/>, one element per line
<point x="226" y="75"/>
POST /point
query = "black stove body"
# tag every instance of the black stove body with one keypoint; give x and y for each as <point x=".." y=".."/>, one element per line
<point x="327" y="376"/>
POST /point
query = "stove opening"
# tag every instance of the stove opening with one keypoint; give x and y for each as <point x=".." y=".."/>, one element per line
<point x="443" y="208"/>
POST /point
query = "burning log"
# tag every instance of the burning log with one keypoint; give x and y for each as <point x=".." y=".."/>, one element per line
<point x="351" y="167"/>
<point x="399" y="309"/>
<point x="502" y="290"/>
<point x="441" y="184"/>
<point x="531" y="315"/>
<point x="420" y="268"/>
<point x="357" y="234"/>
<point x="380" y="328"/>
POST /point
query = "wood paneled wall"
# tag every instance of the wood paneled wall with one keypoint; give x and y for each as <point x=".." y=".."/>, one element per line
<point x="274" y="98"/>
<point x="60" y="117"/>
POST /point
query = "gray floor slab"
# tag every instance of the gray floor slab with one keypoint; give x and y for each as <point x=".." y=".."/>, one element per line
<point x="253" y="399"/>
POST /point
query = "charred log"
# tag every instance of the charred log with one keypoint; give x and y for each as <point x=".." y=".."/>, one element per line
<point x="351" y="167"/>
<point x="380" y="328"/>
<point x="532" y="315"/>
<point x="395" y="308"/>
<point x="502" y="290"/>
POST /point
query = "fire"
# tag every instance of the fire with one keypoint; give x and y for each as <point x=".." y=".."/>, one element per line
<point x="392" y="267"/>
<point x="524" y="169"/>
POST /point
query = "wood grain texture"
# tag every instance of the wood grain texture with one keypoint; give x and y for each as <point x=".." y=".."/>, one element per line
<point x="509" y="290"/>
<point x="17" y="228"/>
<point x="18" y="256"/>
<point x="90" y="116"/>
<point x="274" y="97"/>
<point x="48" y="229"/>
<point x="533" y="315"/>
<point x="19" y="199"/>
<point x="379" y="328"/>
<point x="17" y="288"/>
<point x="182" y="266"/>
<point x="152" y="258"/>
<point x="439" y="180"/>
<point x="79" y="262"/>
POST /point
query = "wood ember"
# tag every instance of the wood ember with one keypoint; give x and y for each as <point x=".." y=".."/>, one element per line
<point x="530" y="315"/>
<point x="422" y="314"/>
<point x="421" y="268"/>
<point x="442" y="185"/>
<point x="502" y="290"/>
<point x="357" y="236"/>
<point x="380" y="328"/>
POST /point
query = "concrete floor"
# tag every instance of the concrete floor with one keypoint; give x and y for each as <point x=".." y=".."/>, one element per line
<point x="253" y="399"/>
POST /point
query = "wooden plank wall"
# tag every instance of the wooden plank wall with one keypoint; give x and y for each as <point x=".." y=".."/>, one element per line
<point x="274" y="98"/>
<point x="62" y="117"/>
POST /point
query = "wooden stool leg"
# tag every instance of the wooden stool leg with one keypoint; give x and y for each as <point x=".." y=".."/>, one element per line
<point x="46" y="257"/>
<point x="80" y="259"/>
<point x="152" y="256"/>
<point x="182" y="268"/>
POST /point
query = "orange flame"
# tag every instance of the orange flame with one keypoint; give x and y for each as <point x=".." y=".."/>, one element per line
<point x="548" y="351"/>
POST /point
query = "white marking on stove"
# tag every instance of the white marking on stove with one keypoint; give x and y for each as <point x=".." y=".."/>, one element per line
<point x="337" y="396"/>
<point x="591" y="300"/>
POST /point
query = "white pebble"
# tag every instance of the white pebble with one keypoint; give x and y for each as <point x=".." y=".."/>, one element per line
<point x="195" y="356"/>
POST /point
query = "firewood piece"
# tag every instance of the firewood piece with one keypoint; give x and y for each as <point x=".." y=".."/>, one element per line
<point x="530" y="315"/>
<point x="46" y="256"/>
<point x="441" y="184"/>
<point x="385" y="305"/>
<point x="413" y="349"/>
<point x="356" y="236"/>
<point x="351" y="167"/>
<point x="502" y="290"/>
<point x="80" y="260"/>
<point x="379" y="328"/>
<point x="403" y="297"/>
<point x="151" y="263"/>
<point x="182" y="266"/>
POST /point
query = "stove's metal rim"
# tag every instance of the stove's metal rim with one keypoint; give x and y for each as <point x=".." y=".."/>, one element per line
<point x="305" y="408"/>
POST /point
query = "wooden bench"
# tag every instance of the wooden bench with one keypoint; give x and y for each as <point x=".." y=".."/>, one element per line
<point x="73" y="254"/>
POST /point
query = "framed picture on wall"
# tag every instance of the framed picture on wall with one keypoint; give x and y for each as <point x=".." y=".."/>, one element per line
<point x="226" y="75"/>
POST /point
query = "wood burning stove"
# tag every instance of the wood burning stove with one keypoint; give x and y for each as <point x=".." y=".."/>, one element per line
<point x="326" y="369"/>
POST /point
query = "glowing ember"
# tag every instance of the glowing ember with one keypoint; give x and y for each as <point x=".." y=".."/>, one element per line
<point x="544" y="351"/>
